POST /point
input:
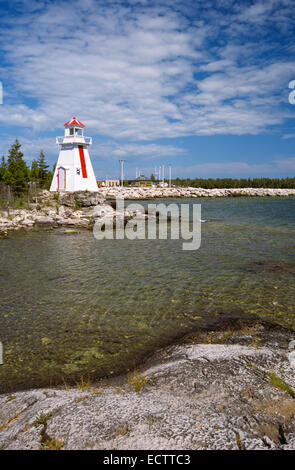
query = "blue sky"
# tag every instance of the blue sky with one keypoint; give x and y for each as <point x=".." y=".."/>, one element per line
<point x="201" y="85"/>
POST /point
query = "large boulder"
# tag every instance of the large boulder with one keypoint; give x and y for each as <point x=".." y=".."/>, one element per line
<point x="87" y="199"/>
<point x="103" y="210"/>
<point x="44" y="221"/>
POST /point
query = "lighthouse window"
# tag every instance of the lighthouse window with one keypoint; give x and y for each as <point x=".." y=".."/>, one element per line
<point x="71" y="131"/>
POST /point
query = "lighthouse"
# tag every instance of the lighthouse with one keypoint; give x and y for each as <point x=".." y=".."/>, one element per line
<point x="73" y="171"/>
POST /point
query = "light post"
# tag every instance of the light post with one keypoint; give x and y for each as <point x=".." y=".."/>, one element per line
<point x="122" y="172"/>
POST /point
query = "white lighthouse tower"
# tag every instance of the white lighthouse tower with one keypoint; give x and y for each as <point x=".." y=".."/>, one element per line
<point x="73" y="171"/>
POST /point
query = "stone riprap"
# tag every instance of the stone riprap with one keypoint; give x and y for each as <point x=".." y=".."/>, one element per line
<point x="228" y="388"/>
<point x="151" y="193"/>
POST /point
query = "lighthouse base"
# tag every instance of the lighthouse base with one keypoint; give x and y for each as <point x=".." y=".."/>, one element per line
<point x="73" y="170"/>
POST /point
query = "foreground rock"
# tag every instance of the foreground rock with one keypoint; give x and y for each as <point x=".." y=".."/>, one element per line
<point x="231" y="388"/>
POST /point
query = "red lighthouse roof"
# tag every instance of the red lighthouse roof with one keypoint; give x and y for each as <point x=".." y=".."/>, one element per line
<point x="74" y="122"/>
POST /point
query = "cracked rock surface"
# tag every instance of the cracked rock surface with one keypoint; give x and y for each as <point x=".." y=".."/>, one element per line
<point x="228" y="388"/>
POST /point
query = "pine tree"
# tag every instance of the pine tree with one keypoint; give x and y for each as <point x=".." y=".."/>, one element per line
<point x="48" y="181"/>
<point x="3" y="169"/>
<point x="42" y="166"/>
<point x="34" y="172"/>
<point x="17" y="173"/>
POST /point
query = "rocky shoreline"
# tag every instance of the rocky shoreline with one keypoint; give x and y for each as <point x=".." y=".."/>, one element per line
<point x="230" y="387"/>
<point x="151" y="193"/>
<point x="53" y="210"/>
<point x="80" y="209"/>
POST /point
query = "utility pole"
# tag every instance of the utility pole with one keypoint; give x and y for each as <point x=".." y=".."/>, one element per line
<point x="170" y="166"/>
<point x="163" y="174"/>
<point x="122" y="172"/>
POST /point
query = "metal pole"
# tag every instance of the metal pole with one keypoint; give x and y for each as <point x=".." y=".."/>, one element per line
<point x="163" y="174"/>
<point x="170" y="175"/>
<point x="122" y="172"/>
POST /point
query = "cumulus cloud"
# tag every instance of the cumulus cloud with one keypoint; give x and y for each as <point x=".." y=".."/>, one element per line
<point x="139" y="71"/>
<point x="134" y="150"/>
<point x="276" y="168"/>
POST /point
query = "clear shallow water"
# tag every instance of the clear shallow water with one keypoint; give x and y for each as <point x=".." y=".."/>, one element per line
<point x="72" y="305"/>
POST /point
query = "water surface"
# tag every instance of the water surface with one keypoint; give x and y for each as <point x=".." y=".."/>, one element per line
<point x="72" y="305"/>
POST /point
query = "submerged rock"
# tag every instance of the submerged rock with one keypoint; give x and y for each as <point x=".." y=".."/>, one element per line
<point x="268" y="267"/>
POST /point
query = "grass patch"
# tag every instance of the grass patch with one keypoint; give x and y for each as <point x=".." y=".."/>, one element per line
<point x="209" y="338"/>
<point x="252" y="366"/>
<point x="136" y="381"/>
<point x="84" y="384"/>
<point x="11" y="420"/>
<point x="279" y="383"/>
<point x="12" y="397"/>
<point x="238" y="441"/>
<point x="41" y="419"/>
<point x="51" y="444"/>
<point x="77" y="206"/>
<point x="65" y="384"/>
<point x="227" y="334"/>
<point x="255" y="342"/>
<point x="78" y="400"/>
<point x="121" y="430"/>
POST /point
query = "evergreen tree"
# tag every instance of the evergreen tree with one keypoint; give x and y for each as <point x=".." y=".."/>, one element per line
<point x="49" y="177"/>
<point x="34" y="172"/>
<point x="42" y="166"/>
<point x="3" y="169"/>
<point x="17" y="173"/>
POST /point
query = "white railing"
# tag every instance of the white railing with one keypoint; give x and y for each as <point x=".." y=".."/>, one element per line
<point x="70" y="139"/>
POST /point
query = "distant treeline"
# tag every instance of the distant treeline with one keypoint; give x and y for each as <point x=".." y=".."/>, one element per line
<point x="211" y="183"/>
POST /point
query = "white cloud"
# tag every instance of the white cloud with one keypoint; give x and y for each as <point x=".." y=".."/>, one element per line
<point x="134" y="150"/>
<point x="140" y="70"/>
<point x="31" y="147"/>
<point x="238" y="169"/>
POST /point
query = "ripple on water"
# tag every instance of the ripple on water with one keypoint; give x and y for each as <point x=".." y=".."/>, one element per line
<point x="72" y="305"/>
